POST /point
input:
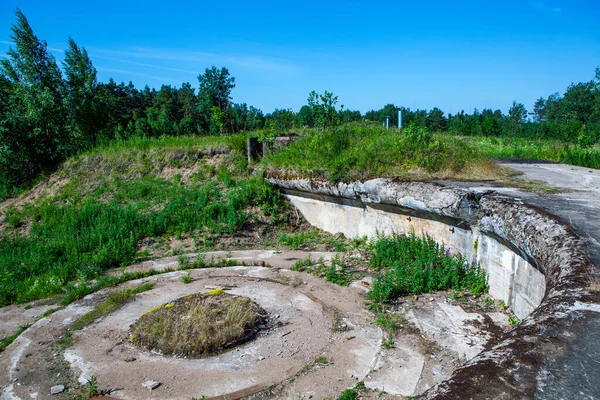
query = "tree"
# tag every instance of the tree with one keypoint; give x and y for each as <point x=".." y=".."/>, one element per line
<point x="517" y="114"/>
<point x="214" y="91"/>
<point x="306" y="116"/>
<point x="83" y="106"/>
<point x="281" y="120"/>
<point x="323" y="109"/>
<point x="539" y="110"/>
<point x="33" y="133"/>
<point x="436" y="122"/>
<point x="188" y="110"/>
<point x="579" y="101"/>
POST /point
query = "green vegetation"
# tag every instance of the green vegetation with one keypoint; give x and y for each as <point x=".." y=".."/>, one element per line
<point x="389" y="321"/>
<point x="49" y="114"/>
<point x="4" y="342"/>
<point x="336" y="272"/>
<point x="134" y="185"/>
<point x="536" y="148"/>
<point x="186" y="279"/>
<point x="198" y="325"/>
<point x="101" y="217"/>
<point x="362" y="150"/>
<point x="321" y="360"/>
<point x="414" y="265"/>
<point x="348" y="394"/>
<point x="115" y="300"/>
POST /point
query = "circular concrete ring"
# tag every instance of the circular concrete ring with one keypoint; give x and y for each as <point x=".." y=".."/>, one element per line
<point x="304" y="308"/>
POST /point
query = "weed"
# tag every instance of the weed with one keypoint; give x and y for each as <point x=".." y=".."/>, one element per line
<point x="348" y="394"/>
<point x="389" y="321"/>
<point x="92" y="386"/>
<point x="296" y="241"/>
<point x="360" y="386"/>
<point x="65" y="341"/>
<point x="186" y="279"/>
<point x="388" y="343"/>
<point x="321" y="360"/>
<point x="200" y="262"/>
<point x="362" y="150"/>
<point x="513" y="320"/>
<point x="114" y="301"/>
<point x="183" y="262"/>
<point x="488" y="302"/>
<point x="336" y="272"/>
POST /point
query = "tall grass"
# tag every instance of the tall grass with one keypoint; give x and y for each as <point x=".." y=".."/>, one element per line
<point x="97" y="220"/>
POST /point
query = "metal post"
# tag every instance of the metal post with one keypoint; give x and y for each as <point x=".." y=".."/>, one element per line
<point x="399" y="119"/>
<point x="387" y="122"/>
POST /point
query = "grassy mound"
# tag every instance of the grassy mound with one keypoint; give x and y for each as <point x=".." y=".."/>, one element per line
<point x="363" y="151"/>
<point x="198" y="325"/>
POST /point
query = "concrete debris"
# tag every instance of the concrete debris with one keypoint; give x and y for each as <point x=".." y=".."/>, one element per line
<point x="151" y="385"/>
<point x="57" y="389"/>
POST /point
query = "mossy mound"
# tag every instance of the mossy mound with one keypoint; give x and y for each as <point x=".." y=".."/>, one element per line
<point x="199" y="325"/>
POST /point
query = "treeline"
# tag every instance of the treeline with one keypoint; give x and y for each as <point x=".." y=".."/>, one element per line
<point x="48" y="113"/>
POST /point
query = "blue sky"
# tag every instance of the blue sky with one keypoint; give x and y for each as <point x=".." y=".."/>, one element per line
<point x="451" y="54"/>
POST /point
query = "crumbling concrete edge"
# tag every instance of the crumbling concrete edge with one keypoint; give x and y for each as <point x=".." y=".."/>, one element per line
<point x="510" y="368"/>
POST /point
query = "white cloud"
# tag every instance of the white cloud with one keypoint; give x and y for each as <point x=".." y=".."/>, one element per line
<point x="202" y="58"/>
<point x="546" y="8"/>
<point x="143" y="64"/>
<point x="133" y="73"/>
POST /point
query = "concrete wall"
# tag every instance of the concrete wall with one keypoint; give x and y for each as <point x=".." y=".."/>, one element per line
<point x="511" y="277"/>
<point x="530" y="256"/>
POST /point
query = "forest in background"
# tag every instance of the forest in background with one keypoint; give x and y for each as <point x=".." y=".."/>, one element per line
<point x="49" y="112"/>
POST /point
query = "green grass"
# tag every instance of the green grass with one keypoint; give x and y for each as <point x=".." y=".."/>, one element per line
<point x="529" y="148"/>
<point x="296" y="241"/>
<point x="363" y="150"/>
<point x="4" y="342"/>
<point x="408" y="264"/>
<point x="96" y="221"/>
<point x="115" y="300"/>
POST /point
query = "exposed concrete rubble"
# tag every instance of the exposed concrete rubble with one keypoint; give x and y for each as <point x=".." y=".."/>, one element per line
<point x="510" y="369"/>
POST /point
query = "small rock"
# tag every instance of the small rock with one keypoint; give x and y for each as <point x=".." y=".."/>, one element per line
<point x="57" y="389"/>
<point x="151" y="385"/>
<point x="33" y="395"/>
<point x="260" y="358"/>
<point x="130" y="359"/>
